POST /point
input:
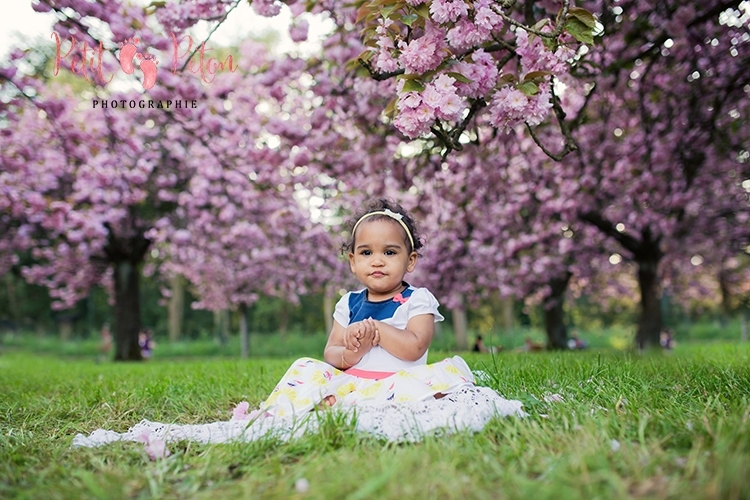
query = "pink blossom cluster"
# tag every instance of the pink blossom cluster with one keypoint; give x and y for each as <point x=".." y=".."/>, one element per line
<point x="176" y="16"/>
<point x="424" y="53"/>
<point x="444" y="11"/>
<point x="469" y="33"/>
<point x="481" y="70"/>
<point x="384" y="57"/>
<point x="419" y="110"/>
<point x="121" y="19"/>
<point x="536" y="57"/>
<point x="298" y="31"/>
<point x="454" y="37"/>
<point x="266" y="8"/>
<point x="510" y="106"/>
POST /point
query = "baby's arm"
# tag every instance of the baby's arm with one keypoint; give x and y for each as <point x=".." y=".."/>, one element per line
<point x="411" y="343"/>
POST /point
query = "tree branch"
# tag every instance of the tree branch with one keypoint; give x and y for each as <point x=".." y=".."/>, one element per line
<point x="376" y="75"/>
<point x="475" y="107"/>
<point x="570" y="142"/>
<point x="581" y="114"/>
<point x="551" y="35"/>
<point x="221" y="20"/>
<point x="595" y="218"/>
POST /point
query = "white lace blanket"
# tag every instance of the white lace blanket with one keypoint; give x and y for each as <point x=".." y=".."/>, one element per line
<point x="468" y="409"/>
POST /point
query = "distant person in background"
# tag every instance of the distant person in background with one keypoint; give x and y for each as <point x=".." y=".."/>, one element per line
<point x="576" y="343"/>
<point x="105" y="344"/>
<point x="479" y="345"/>
<point x="666" y="339"/>
<point x="146" y="342"/>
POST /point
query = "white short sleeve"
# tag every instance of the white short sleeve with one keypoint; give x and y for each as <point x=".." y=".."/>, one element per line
<point x="423" y="302"/>
<point x="341" y="312"/>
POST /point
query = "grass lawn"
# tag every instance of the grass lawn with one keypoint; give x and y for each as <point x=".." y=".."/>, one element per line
<point x="651" y="426"/>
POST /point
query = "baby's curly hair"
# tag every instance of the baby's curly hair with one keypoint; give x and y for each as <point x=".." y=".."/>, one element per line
<point x="379" y="205"/>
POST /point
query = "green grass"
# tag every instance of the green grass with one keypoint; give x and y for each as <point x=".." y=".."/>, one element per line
<point x="265" y="345"/>
<point x="651" y="426"/>
<point x="297" y="343"/>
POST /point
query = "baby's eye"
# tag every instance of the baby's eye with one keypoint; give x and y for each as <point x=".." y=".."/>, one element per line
<point x="365" y="252"/>
<point x="390" y="252"/>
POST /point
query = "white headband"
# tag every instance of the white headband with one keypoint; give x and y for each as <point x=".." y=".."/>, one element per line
<point x="393" y="215"/>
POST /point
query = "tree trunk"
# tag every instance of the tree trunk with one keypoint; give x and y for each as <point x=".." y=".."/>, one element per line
<point x="15" y="311"/>
<point x="176" y="308"/>
<point x="554" y="314"/>
<point x="66" y="329"/>
<point x="127" y="312"/>
<point x="647" y="255"/>
<point x="244" y="336"/>
<point x="90" y="315"/>
<point x="650" y="322"/>
<point x="284" y="319"/>
<point x="460" y="325"/>
<point x="726" y="297"/>
<point x="507" y="313"/>
<point x="221" y="326"/>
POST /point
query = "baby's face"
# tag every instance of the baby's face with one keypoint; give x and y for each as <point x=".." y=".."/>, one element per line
<point x="381" y="257"/>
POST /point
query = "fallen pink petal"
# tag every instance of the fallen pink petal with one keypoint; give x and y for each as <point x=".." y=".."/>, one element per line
<point x="157" y="448"/>
<point x="240" y="411"/>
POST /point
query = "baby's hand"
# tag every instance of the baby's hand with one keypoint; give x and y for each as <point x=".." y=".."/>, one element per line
<point x="360" y="335"/>
<point x="369" y="334"/>
<point x="357" y="334"/>
<point x="350" y="336"/>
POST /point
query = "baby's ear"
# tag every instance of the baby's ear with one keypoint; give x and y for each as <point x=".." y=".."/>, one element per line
<point x="413" y="257"/>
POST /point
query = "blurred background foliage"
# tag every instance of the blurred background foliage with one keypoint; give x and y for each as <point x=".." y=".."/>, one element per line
<point x="280" y="328"/>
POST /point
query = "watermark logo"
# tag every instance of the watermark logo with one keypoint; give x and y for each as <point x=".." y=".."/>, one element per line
<point x="86" y="61"/>
<point x="147" y="62"/>
<point x="80" y="63"/>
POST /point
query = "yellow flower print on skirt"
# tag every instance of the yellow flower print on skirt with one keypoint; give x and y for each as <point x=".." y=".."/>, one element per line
<point x="308" y="381"/>
<point x="346" y="388"/>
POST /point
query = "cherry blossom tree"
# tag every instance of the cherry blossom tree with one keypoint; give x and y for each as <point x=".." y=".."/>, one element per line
<point x="96" y="192"/>
<point x="662" y="152"/>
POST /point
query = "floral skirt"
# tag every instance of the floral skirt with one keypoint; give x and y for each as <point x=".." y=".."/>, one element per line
<point x="309" y="381"/>
<point x="398" y="407"/>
